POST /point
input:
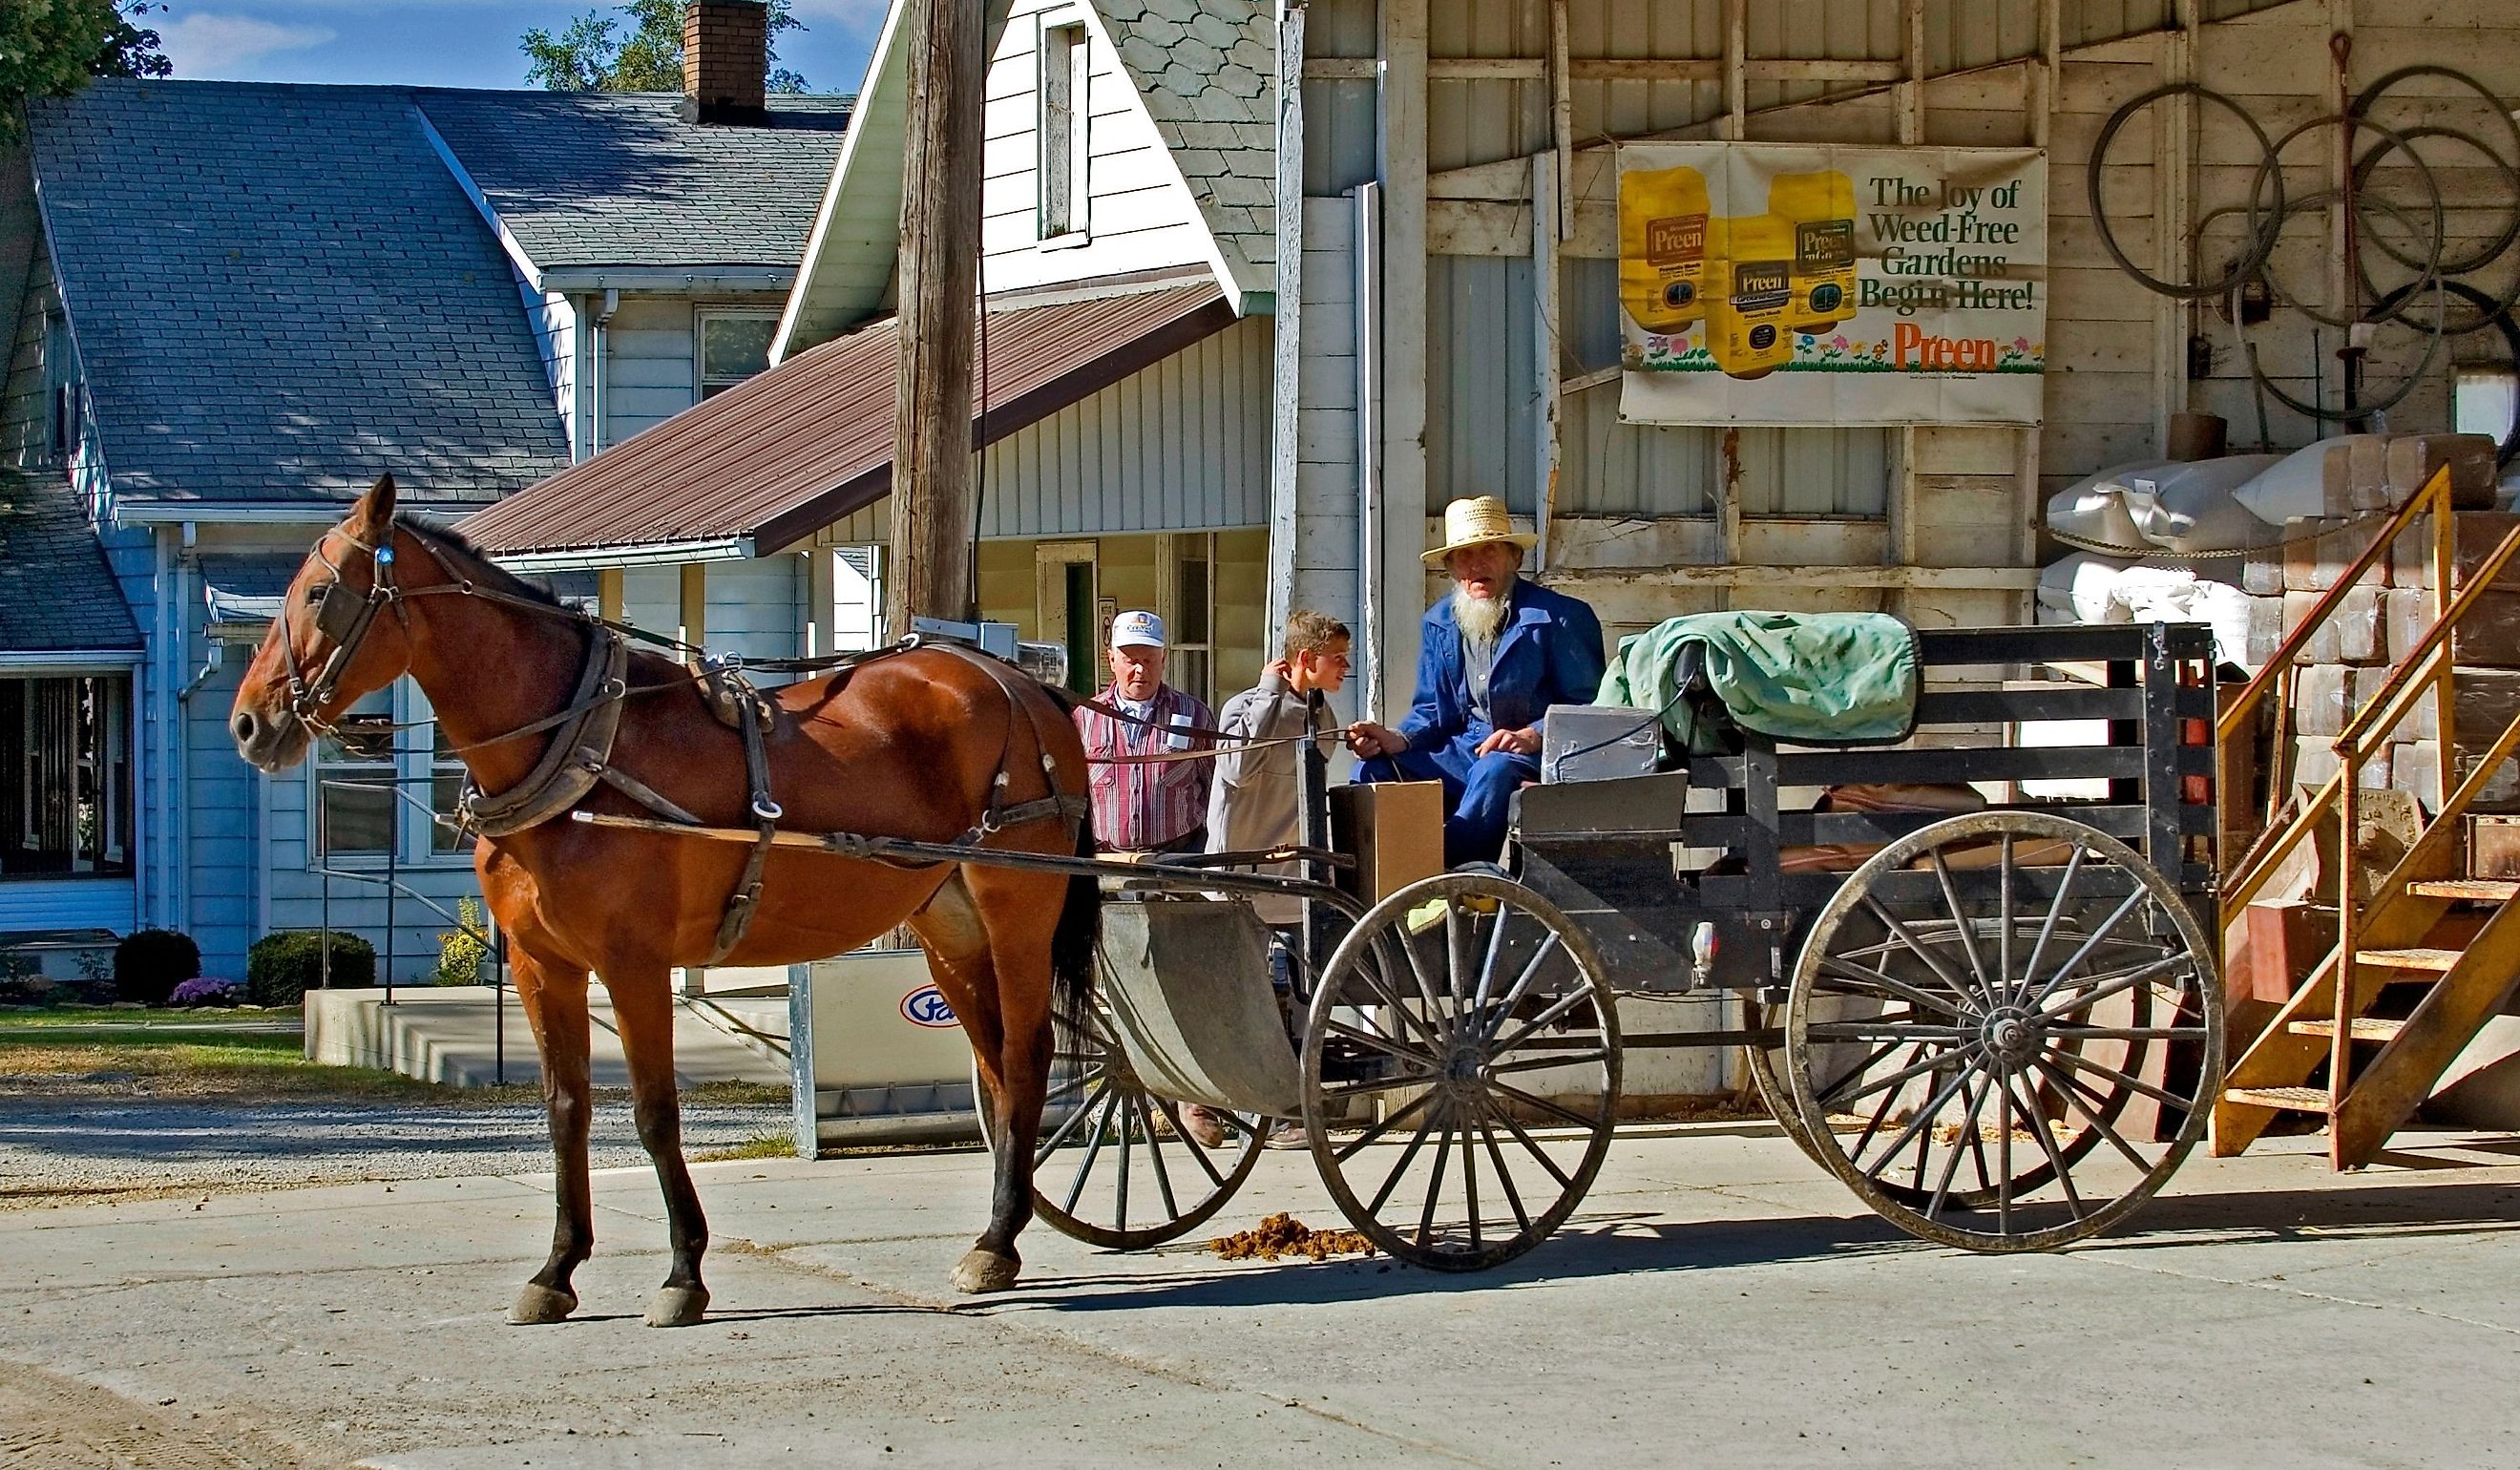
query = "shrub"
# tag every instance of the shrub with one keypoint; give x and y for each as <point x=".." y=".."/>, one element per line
<point x="150" y="963"/>
<point x="459" y="953"/>
<point x="282" y="966"/>
<point x="204" y="991"/>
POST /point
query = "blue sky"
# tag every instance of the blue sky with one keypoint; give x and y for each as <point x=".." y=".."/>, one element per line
<point x="446" y="43"/>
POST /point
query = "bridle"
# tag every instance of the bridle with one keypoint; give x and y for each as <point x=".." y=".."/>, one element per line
<point x="343" y="616"/>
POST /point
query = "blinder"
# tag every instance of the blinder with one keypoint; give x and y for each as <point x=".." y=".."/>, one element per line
<point x="343" y="616"/>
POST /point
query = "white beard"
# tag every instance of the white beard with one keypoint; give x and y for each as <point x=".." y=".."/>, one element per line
<point x="1480" y="619"/>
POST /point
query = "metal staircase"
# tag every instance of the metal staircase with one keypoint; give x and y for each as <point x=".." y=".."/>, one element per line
<point x="2390" y="934"/>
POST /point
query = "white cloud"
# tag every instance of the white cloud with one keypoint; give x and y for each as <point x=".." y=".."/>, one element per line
<point x="203" y="45"/>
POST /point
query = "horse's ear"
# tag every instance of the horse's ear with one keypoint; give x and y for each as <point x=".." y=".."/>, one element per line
<point x="375" y="511"/>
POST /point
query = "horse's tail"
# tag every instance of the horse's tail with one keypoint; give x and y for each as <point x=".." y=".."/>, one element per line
<point x="1080" y="918"/>
<point x="1072" y="944"/>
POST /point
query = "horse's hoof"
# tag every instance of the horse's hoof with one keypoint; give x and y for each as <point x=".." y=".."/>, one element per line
<point x="982" y="1271"/>
<point x="677" y="1305"/>
<point x="537" y="1303"/>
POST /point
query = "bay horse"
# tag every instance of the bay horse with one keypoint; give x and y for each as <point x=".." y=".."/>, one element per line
<point x="927" y="745"/>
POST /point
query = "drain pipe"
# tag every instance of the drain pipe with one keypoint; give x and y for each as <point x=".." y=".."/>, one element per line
<point x="595" y="388"/>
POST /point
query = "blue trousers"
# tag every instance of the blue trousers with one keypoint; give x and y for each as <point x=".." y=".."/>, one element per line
<point x="1477" y="792"/>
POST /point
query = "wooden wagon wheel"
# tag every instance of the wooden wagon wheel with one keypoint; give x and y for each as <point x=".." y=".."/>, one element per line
<point x="1994" y="1005"/>
<point x="1461" y="1082"/>
<point x="1116" y="1167"/>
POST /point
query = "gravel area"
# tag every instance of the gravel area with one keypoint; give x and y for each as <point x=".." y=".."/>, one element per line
<point x="56" y="1149"/>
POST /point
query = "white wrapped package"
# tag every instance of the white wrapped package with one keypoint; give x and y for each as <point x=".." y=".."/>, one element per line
<point x="2077" y="588"/>
<point x="2087" y="589"/>
<point x="2190" y="507"/>
<point x="2093" y="508"/>
<point x="2315" y="481"/>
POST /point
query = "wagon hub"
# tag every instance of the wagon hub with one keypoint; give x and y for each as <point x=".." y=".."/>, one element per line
<point x="2013" y="1035"/>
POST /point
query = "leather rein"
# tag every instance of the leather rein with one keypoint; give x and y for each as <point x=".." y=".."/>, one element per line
<point x="580" y="755"/>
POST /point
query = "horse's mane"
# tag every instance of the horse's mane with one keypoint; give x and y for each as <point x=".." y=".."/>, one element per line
<point x="466" y="559"/>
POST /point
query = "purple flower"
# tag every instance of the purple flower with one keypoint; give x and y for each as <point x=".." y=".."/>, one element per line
<point x="204" y="991"/>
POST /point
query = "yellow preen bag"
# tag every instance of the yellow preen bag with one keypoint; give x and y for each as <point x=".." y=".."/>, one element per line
<point x="1751" y="256"/>
<point x="1820" y="208"/>
<point x="1662" y="248"/>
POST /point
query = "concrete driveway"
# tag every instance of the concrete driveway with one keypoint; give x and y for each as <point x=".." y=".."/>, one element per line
<point x="1716" y="1302"/>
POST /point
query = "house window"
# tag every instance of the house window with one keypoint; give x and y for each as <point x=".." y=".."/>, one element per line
<point x="1187" y="571"/>
<point x="65" y="775"/>
<point x="354" y="781"/>
<point x="734" y="345"/>
<point x="62" y="416"/>
<point x="1064" y="106"/>
<point x="377" y="787"/>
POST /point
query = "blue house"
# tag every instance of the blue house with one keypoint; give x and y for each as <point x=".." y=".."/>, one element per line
<point x="236" y="304"/>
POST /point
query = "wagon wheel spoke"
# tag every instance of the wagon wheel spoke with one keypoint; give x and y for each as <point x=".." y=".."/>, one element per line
<point x="1547" y="1062"/>
<point x="1555" y="1110"/>
<point x="1067" y="1126"/>
<point x="1373" y="1084"/>
<point x="1923" y="1120"/>
<point x="2064" y="972"/>
<point x="1560" y="1007"/>
<point x="1488" y="962"/>
<point x="2076" y="1094"/>
<point x="1398" y="1116"/>
<point x="1969" y="1133"/>
<point x="1093" y="1150"/>
<point x="1964" y="928"/>
<point x="1523" y="983"/>
<point x="2039" y="1130"/>
<point x="1841" y="1096"/>
<point x="1391" y="1181"/>
<point x="1847" y="972"/>
<point x="2130" y="1084"/>
<point x="2055" y="913"/>
<point x="1384" y="1045"/>
<point x="1198" y="1155"/>
<point x="1496" y="1161"/>
<point x="1916" y="946"/>
<point x="1155" y="1158"/>
<point x="1531" y="1147"/>
<point x="2116" y="983"/>
<point x="1435" y="1185"/>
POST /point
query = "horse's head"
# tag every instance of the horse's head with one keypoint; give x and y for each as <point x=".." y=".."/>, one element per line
<point x="333" y="642"/>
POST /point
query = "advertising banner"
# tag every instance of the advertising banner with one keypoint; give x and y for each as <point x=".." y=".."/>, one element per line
<point x="1836" y="284"/>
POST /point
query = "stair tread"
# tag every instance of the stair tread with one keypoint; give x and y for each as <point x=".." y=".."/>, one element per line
<point x="2474" y="890"/>
<point x="2364" y="1029"/>
<point x="2414" y="959"/>
<point x="2298" y="1100"/>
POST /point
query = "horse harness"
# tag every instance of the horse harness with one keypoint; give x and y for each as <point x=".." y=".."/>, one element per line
<point x="579" y="756"/>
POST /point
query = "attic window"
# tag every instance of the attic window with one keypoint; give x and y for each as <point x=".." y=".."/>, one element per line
<point x="1064" y="106"/>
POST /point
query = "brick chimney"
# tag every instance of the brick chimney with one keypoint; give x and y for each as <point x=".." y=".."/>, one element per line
<point x="726" y="49"/>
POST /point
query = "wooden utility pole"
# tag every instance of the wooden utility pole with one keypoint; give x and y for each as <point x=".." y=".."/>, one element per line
<point x="940" y="266"/>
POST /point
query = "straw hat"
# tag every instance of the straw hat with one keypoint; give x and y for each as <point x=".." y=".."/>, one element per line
<point x="1476" y="521"/>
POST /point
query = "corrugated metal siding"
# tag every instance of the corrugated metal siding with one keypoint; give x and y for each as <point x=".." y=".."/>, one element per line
<point x="1182" y="445"/>
<point x="1326" y="472"/>
<point x="1606" y="467"/>
<point x="1340" y="117"/>
<point x="1481" y="396"/>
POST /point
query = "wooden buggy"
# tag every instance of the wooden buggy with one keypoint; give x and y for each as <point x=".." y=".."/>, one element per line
<point x="2001" y="1028"/>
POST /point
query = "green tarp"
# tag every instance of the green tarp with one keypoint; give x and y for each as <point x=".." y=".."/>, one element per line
<point x="1806" y="678"/>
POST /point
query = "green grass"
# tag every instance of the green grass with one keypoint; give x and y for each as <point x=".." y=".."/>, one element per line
<point x="769" y="1144"/>
<point x="202" y="1062"/>
<point x="74" y="1016"/>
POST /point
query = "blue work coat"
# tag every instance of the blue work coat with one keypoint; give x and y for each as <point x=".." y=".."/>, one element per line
<point x="1548" y="653"/>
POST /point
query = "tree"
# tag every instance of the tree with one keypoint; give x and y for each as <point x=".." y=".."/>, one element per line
<point x="587" y="57"/>
<point x="49" y="48"/>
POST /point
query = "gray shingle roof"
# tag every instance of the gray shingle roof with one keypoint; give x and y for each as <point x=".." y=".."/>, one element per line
<point x="618" y="179"/>
<point x="56" y="593"/>
<point x="1208" y="71"/>
<point x="279" y="291"/>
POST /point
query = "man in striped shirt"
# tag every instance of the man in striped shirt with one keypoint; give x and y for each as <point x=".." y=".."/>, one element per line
<point x="1146" y="805"/>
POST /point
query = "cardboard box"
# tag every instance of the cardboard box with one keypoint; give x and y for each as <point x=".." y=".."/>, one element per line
<point x="2412" y="459"/>
<point x="2494" y="847"/>
<point x="1395" y="831"/>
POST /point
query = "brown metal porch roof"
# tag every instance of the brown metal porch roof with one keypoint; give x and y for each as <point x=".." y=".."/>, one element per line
<point x="785" y="452"/>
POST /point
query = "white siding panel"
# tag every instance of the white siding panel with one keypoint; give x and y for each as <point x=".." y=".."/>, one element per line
<point x="1182" y="445"/>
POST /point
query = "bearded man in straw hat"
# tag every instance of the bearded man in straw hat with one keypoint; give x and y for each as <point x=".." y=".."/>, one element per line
<point x="1492" y="658"/>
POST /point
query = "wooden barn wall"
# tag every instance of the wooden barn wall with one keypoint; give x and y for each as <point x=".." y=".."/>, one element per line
<point x="1933" y="523"/>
